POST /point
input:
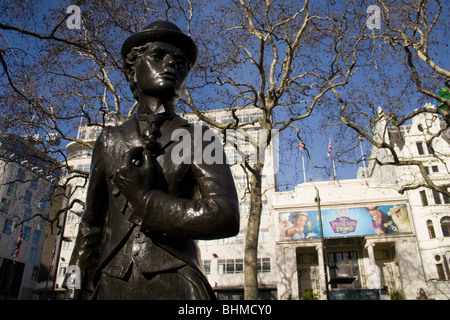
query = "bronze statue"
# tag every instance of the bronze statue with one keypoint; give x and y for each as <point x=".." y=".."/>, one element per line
<point x="144" y="210"/>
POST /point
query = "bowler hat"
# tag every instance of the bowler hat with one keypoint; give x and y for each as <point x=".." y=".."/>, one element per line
<point x="163" y="31"/>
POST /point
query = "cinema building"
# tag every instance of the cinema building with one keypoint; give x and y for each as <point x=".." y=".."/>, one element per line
<point x="368" y="242"/>
<point x="372" y="236"/>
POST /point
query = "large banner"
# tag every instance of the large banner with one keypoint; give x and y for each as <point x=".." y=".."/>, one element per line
<point x="345" y="222"/>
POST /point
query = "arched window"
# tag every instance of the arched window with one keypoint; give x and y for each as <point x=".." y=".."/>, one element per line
<point x="431" y="229"/>
<point x="445" y="225"/>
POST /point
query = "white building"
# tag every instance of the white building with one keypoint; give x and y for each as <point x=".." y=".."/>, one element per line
<point x="414" y="260"/>
<point x="356" y="254"/>
<point x="25" y="192"/>
<point x="79" y="160"/>
<point x="426" y="140"/>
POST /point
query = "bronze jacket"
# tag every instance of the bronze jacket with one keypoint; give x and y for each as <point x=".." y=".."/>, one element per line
<point x="192" y="201"/>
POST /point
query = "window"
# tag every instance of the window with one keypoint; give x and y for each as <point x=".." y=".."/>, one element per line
<point x="13" y="248"/>
<point x="264" y="235"/>
<point x="20" y="174"/>
<point x="440" y="271"/>
<point x="207" y="266"/>
<point x="36" y="236"/>
<point x="68" y="244"/>
<point x="230" y="266"/>
<point x="429" y="148"/>
<point x="11" y="189"/>
<point x="7" y="227"/>
<point x="423" y="197"/>
<point x="84" y="167"/>
<point x="431" y="229"/>
<point x="343" y="265"/>
<point x="62" y="270"/>
<point x="445" y="225"/>
<point x="34" y="184"/>
<point x="419" y="147"/>
<point x="72" y="217"/>
<point x="437" y="198"/>
<point x="446" y="198"/>
<point x="43" y="204"/>
<point x="27" y="197"/>
<point x="26" y="214"/>
<point x="239" y="238"/>
<point x="35" y="273"/>
<point x="26" y="233"/>
<point x="4" y="205"/>
<point x="33" y="253"/>
<point x="434" y="169"/>
<point x="263" y="265"/>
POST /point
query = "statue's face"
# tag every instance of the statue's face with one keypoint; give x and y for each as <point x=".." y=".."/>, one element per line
<point x="162" y="70"/>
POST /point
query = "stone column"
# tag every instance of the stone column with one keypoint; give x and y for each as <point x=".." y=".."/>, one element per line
<point x="287" y="273"/>
<point x="373" y="272"/>
<point x="322" y="281"/>
<point x="369" y="247"/>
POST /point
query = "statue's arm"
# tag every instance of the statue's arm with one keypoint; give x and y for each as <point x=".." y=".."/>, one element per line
<point x="214" y="215"/>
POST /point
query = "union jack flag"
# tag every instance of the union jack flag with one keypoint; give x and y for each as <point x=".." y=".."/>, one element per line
<point x="17" y="249"/>
<point x="53" y="257"/>
<point x="329" y="149"/>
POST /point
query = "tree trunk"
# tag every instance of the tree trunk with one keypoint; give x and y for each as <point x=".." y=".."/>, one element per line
<point x="251" y="245"/>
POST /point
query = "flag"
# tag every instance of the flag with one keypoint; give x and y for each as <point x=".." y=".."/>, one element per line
<point x="17" y="249"/>
<point x="329" y="149"/>
<point x="301" y="146"/>
<point x="53" y="257"/>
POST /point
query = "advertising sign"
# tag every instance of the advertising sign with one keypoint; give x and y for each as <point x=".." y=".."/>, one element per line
<point x="345" y="222"/>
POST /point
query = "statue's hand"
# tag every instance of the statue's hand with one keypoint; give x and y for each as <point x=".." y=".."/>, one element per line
<point x="135" y="175"/>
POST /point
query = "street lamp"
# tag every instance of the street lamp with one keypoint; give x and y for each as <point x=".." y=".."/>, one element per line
<point x="317" y="199"/>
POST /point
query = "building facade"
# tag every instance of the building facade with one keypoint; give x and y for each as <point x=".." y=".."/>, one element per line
<point x="79" y="161"/>
<point x="426" y="139"/>
<point x="25" y="193"/>
<point x="367" y="241"/>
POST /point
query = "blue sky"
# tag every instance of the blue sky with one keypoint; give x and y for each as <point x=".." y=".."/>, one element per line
<point x="315" y="137"/>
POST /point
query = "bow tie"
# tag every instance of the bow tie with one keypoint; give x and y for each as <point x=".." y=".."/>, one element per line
<point x="149" y="125"/>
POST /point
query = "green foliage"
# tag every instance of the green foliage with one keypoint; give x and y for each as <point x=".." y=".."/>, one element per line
<point x="397" y="294"/>
<point x="310" y="295"/>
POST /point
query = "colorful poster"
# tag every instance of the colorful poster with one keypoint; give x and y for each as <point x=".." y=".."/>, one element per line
<point x="345" y="222"/>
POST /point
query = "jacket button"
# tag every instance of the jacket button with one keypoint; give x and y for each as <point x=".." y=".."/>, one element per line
<point x="135" y="253"/>
<point x="137" y="235"/>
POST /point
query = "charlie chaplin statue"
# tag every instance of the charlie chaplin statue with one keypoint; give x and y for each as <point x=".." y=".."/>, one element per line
<point x="144" y="210"/>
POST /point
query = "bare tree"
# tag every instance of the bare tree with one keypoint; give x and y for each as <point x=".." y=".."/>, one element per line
<point x="264" y="54"/>
<point x="290" y="59"/>
<point x="405" y="69"/>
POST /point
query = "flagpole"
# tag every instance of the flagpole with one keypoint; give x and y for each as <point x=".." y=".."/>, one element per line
<point x="301" y="147"/>
<point x="304" y="172"/>
<point x="15" y="257"/>
<point x="334" y="170"/>
<point x="332" y="160"/>
<point x="360" y="139"/>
